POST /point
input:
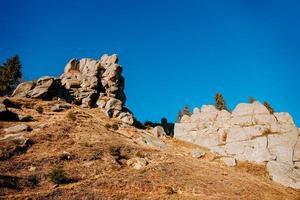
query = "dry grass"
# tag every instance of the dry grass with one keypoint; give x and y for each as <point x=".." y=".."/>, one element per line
<point x="100" y="173"/>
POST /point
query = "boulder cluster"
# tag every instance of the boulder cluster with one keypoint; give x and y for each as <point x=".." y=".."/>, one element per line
<point x="250" y="133"/>
<point x="86" y="82"/>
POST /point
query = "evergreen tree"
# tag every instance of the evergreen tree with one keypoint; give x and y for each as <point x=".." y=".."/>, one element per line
<point x="251" y="99"/>
<point x="186" y="111"/>
<point x="179" y="116"/>
<point x="220" y="102"/>
<point x="269" y="107"/>
<point x="10" y="75"/>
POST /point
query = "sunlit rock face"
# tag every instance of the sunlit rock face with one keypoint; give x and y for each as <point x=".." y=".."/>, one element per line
<point x="86" y="82"/>
<point x="249" y="133"/>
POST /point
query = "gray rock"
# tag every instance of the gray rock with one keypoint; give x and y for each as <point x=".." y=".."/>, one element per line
<point x="86" y="82"/>
<point x="158" y="132"/>
<point x="23" y="89"/>
<point x="284" y="173"/>
<point x="229" y="161"/>
<point x="17" y="128"/>
<point x="137" y="163"/>
<point x="152" y="141"/>
<point x="197" y="153"/>
<point x="25" y="118"/>
<point x="250" y="133"/>
<point x="56" y="108"/>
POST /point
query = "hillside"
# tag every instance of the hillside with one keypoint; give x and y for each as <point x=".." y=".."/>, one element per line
<point x="99" y="161"/>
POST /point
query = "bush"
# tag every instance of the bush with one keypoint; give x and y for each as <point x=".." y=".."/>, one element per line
<point x="40" y="110"/>
<point x="220" y="102"/>
<point x="58" y="176"/>
<point x="115" y="127"/>
<point x="112" y="126"/>
<point x="251" y="100"/>
<point x="179" y="116"/>
<point x="71" y="116"/>
<point x="33" y="180"/>
<point x="268" y="106"/>
<point x="114" y="151"/>
<point x="186" y="111"/>
<point x="108" y="126"/>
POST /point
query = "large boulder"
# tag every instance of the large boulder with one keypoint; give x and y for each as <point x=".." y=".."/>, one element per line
<point x="159" y="132"/>
<point x="250" y="133"/>
<point x="23" y="89"/>
<point x="17" y="128"/>
<point x="285" y="174"/>
<point x="86" y="82"/>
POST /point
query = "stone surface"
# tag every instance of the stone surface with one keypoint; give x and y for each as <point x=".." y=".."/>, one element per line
<point x="159" y="132"/>
<point x="229" y="161"/>
<point x="86" y="82"/>
<point x="249" y="133"/>
<point x="152" y="141"/>
<point x="25" y="118"/>
<point x="17" y="128"/>
<point x="197" y="153"/>
<point x="284" y="174"/>
<point x="137" y="163"/>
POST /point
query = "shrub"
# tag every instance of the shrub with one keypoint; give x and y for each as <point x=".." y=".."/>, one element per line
<point x="71" y="116"/>
<point x="115" y="127"/>
<point x="114" y="151"/>
<point x="251" y="99"/>
<point x="33" y="180"/>
<point x="179" y="116"/>
<point x="220" y="102"/>
<point x="40" y="110"/>
<point x="269" y="107"/>
<point x="58" y="176"/>
<point x="10" y="75"/>
<point x="107" y="126"/>
<point x="186" y="111"/>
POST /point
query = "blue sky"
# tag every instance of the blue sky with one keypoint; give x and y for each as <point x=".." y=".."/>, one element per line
<point x="173" y="52"/>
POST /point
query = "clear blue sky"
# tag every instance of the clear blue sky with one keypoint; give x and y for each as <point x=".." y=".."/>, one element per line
<point x="173" y="52"/>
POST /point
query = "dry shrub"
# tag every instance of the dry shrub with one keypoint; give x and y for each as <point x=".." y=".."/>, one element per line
<point x="40" y="110"/>
<point x="251" y="168"/>
<point x="71" y="116"/>
<point x="58" y="176"/>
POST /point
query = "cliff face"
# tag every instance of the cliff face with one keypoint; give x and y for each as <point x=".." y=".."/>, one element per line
<point x="249" y="133"/>
<point x="85" y="82"/>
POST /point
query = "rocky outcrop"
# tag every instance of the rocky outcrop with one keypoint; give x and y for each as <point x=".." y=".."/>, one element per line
<point x="86" y="82"/>
<point x="249" y="133"/>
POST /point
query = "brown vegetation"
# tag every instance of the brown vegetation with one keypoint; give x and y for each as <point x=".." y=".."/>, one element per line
<point x="97" y="168"/>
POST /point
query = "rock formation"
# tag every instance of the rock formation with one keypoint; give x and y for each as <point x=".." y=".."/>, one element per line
<point x="86" y="82"/>
<point x="249" y="133"/>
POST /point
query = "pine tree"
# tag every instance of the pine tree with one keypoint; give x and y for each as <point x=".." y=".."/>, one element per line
<point x="220" y="102"/>
<point x="179" y="116"/>
<point x="269" y="107"/>
<point x="186" y="111"/>
<point x="251" y="99"/>
<point x="10" y="75"/>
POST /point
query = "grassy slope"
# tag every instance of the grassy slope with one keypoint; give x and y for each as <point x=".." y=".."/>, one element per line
<point x="171" y="173"/>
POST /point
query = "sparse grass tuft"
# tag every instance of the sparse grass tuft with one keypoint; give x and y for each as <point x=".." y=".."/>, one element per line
<point x="33" y="180"/>
<point x="107" y="125"/>
<point x="40" y="110"/>
<point x="114" y="151"/>
<point x="115" y="127"/>
<point x="71" y="116"/>
<point x="58" y="176"/>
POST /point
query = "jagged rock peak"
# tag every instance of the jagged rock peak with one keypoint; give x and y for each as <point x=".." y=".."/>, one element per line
<point x="86" y="82"/>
